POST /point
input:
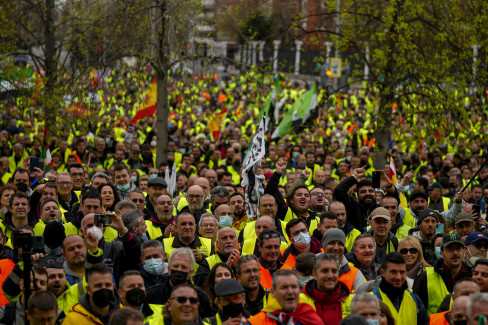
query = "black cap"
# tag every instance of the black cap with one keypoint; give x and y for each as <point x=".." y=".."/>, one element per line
<point x="228" y="287"/>
<point x="52" y="262"/>
<point x="451" y="238"/>
<point x="158" y="181"/>
<point x="417" y="194"/>
<point x="54" y="234"/>
<point x="433" y="186"/>
<point x="427" y="213"/>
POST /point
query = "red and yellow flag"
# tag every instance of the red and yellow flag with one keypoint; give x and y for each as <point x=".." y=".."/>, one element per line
<point x="148" y="105"/>
<point x="216" y="123"/>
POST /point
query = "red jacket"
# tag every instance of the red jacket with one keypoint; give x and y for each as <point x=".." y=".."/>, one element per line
<point x="328" y="306"/>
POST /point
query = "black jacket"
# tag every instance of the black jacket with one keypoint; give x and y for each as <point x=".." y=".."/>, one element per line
<point x="272" y="189"/>
<point x="420" y="286"/>
<point x="159" y="294"/>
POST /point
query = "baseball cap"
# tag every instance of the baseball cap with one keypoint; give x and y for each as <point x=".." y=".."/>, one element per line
<point x="333" y="234"/>
<point x="380" y="213"/>
<point x="158" y="181"/>
<point x="463" y="216"/>
<point x="433" y="186"/>
<point x="417" y="194"/>
<point x="451" y="239"/>
<point x="474" y="237"/>
<point x="228" y="287"/>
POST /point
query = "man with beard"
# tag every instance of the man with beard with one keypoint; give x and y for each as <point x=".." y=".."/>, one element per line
<point x="226" y="252"/>
<point x="180" y="269"/>
<point x="318" y="202"/>
<point x="204" y="184"/>
<point x="195" y="197"/>
<point x="425" y="232"/>
<point x="386" y="242"/>
<point x="419" y="202"/>
<point x="438" y="281"/>
<point x="236" y="203"/>
<point x="74" y="253"/>
<point x="99" y="301"/>
<point x="359" y="210"/>
<point x="163" y="223"/>
<point x="247" y="272"/>
<point x="49" y="212"/>
<point x="298" y="199"/>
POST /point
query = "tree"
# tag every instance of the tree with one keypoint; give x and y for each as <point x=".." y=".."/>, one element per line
<point x="419" y="55"/>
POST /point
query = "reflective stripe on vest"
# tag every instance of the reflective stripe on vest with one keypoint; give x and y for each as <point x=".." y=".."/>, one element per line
<point x="407" y="314"/>
<point x="436" y="290"/>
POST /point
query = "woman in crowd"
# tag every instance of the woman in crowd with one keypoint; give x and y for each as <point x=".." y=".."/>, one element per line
<point x="411" y="250"/>
<point x="110" y="196"/>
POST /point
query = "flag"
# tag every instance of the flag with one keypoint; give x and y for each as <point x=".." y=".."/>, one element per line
<point x="299" y="114"/>
<point x="307" y="108"/>
<point x="217" y="123"/>
<point x="45" y="152"/>
<point x="254" y="183"/>
<point x="393" y="178"/>
<point x="148" y="105"/>
<point x="269" y="109"/>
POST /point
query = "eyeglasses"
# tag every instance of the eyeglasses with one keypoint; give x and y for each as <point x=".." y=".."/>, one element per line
<point x="64" y="183"/>
<point x="195" y="196"/>
<point x="271" y="235"/>
<point x="413" y="250"/>
<point x="296" y="233"/>
<point x="164" y="202"/>
<point x="318" y="194"/>
<point x="250" y="271"/>
<point x="138" y="200"/>
<point x="76" y="174"/>
<point x="182" y="300"/>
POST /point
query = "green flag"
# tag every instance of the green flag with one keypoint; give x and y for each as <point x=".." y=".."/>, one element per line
<point x="270" y="104"/>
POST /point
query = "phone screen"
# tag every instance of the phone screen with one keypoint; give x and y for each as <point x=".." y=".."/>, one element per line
<point x="439" y="228"/>
<point x="376" y="179"/>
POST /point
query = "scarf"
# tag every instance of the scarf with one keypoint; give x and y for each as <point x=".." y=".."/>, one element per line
<point x="414" y="271"/>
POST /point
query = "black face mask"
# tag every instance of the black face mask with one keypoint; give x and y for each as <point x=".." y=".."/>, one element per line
<point x="178" y="277"/>
<point x="459" y="322"/>
<point x="452" y="185"/>
<point x="135" y="296"/>
<point x="101" y="298"/>
<point x="22" y="187"/>
<point x="232" y="309"/>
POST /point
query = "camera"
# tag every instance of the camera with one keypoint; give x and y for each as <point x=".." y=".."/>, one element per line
<point x="103" y="219"/>
<point x="27" y="242"/>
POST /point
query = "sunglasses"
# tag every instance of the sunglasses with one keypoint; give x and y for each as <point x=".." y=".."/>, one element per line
<point x="182" y="300"/>
<point x="404" y="251"/>
<point x="138" y="200"/>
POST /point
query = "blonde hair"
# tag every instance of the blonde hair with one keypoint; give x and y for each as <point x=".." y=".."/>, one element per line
<point x="415" y="242"/>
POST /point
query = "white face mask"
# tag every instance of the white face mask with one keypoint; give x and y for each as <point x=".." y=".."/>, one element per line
<point x="473" y="259"/>
<point x="302" y="239"/>
<point x="96" y="231"/>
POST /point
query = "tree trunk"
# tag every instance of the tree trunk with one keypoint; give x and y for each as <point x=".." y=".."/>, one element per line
<point x="162" y="88"/>
<point x="49" y="101"/>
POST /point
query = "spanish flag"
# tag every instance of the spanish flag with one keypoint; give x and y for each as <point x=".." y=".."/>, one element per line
<point x="216" y="123"/>
<point x="393" y="178"/>
<point x="148" y="105"/>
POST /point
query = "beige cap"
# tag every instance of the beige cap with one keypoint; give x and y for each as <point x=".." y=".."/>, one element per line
<point x="380" y="213"/>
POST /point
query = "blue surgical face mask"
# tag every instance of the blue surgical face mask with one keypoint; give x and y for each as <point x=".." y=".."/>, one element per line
<point x="107" y="140"/>
<point x="295" y="154"/>
<point x="373" y="321"/>
<point x="225" y="221"/>
<point x="53" y="252"/>
<point x="154" y="266"/>
<point x="143" y="238"/>
<point x="133" y="178"/>
<point x="182" y="150"/>
<point x="302" y="239"/>
<point x="438" y="252"/>
<point x="124" y="188"/>
<point x="153" y="176"/>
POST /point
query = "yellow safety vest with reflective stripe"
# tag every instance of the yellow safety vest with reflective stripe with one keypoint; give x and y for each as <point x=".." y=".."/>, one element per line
<point x="313" y="223"/>
<point x="351" y="236"/>
<point x="109" y="234"/>
<point x="205" y="249"/>
<point x="250" y="231"/>
<point x="407" y="314"/>
<point x="409" y="219"/>
<point x="436" y="290"/>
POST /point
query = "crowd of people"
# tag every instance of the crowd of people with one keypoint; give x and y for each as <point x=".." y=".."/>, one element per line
<point x="108" y="242"/>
